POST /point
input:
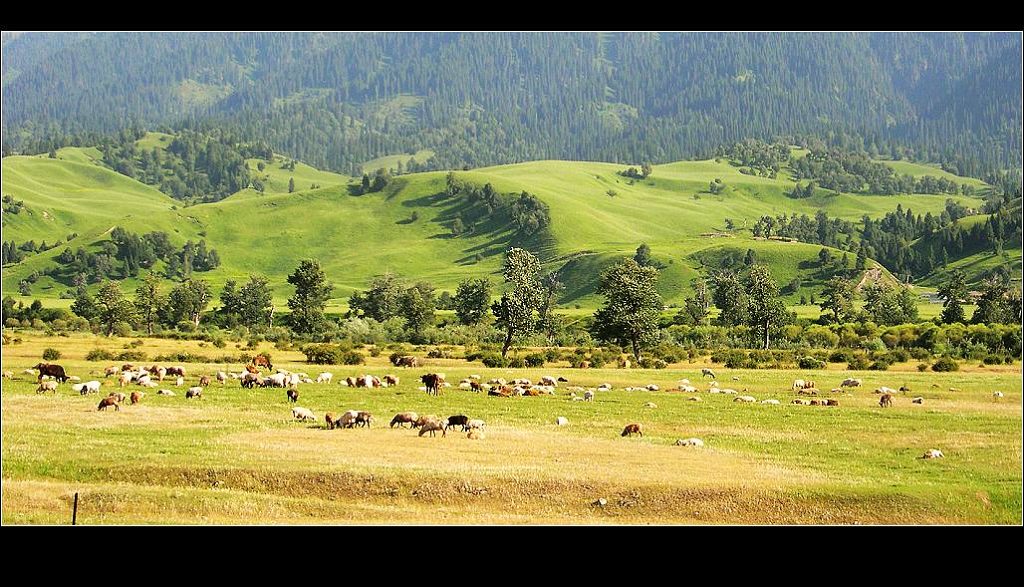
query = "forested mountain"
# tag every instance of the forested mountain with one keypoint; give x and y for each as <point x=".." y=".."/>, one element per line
<point x="338" y="100"/>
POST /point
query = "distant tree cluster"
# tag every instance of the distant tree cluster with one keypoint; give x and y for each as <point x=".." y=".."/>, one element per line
<point x="126" y="253"/>
<point x="525" y="212"/>
<point x="756" y="157"/>
<point x="855" y="172"/>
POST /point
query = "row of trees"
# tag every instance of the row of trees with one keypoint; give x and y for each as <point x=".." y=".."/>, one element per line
<point x="127" y="253"/>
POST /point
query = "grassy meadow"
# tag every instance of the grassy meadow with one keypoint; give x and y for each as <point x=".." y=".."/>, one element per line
<point x="236" y="456"/>
<point x="597" y="217"/>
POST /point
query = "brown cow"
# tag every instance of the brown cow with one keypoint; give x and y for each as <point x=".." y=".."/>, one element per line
<point x="332" y="420"/>
<point x="55" y="371"/>
<point x="293" y="395"/>
<point x="136" y="397"/>
<point x="364" y="419"/>
<point x="886" y="400"/>
<point x="390" y="380"/>
<point x="205" y="381"/>
<point x="632" y="429"/>
<point x="107" y="402"/>
<point x="262" y="360"/>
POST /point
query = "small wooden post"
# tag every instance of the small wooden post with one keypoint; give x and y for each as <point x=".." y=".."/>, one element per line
<point x="74" y="511"/>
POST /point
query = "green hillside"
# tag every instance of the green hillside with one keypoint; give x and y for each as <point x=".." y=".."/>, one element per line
<point x="597" y="217"/>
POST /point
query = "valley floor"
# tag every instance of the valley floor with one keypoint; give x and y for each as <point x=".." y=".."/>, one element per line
<point x="236" y="456"/>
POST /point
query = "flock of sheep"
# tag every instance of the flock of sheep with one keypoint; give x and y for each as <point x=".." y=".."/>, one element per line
<point x="50" y="376"/>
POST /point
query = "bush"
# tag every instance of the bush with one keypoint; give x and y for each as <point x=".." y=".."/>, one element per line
<point x="992" y="359"/>
<point x="99" y="355"/>
<point x="51" y="354"/>
<point x="219" y="343"/>
<point x="123" y="329"/>
<point x="352" y="358"/>
<point x="323" y="354"/>
<point x="945" y="364"/>
<point x="551" y="355"/>
<point x="898" y="356"/>
<point x="810" y="363"/>
<point x="375" y="351"/>
<point x="858" y="363"/>
<point x="136" y="343"/>
<point x="922" y="367"/>
<point x="492" y="360"/>
<point x="879" y="365"/>
<point x="535" y="360"/>
<point x="516" y="363"/>
<point x="439" y="354"/>
<point x="130" y="356"/>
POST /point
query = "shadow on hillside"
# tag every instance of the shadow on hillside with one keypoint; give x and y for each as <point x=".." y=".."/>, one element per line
<point x="495" y="227"/>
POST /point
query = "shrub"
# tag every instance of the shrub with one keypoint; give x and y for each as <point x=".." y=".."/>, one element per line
<point x="551" y="355"/>
<point x="219" y="343"/>
<point x="659" y="364"/>
<point x="858" y="363"/>
<point x="123" y="329"/>
<point x="439" y="354"/>
<point x="492" y="360"/>
<point x="352" y="358"/>
<point x="810" y="363"/>
<point x="375" y="351"/>
<point x="99" y="355"/>
<point x="323" y="354"/>
<point x="879" y="365"/>
<point x="130" y="356"/>
<point x="136" y="343"/>
<point x="945" y="364"/>
<point x="922" y="367"/>
<point x="992" y="359"/>
<point x="534" y="360"/>
<point x="51" y="354"/>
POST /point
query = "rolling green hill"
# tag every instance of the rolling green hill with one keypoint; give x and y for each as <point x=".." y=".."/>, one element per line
<point x="597" y="217"/>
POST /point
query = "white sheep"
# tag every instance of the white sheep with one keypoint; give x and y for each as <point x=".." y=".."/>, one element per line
<point x="728" y="391"/>
<point x="166" y="392"/>
<point x="8" y="374"/>
<point x="686" y="388"/>
<point x="933" y="453"/>
<point x="917" y="400"/>
<point x="885" y="389"/>
<point x="47" y="386"/>
<point x="465" y="385"/>
<point x="604" y="387"/>
<point x="713" y="384"/>
<point x="684" y="382"/>
<point x="476" y="423"/>
<point x="650" y="405"/>
<point x="562" y="421"/>
<point x="304" y="414"/>
<point x="850" y="382"/>
<point x="694" y="399"/>
<point x="799" y="384"/>
<point x="746" y="399"/>
<point x="653" y="387"/>
<point x="74" y="378"/>
<point x="588" y="396"/>
<point x="690" y="442"/>
<point x="997" y="395"/>
<point x="179" y="381"/>
<point x="770" y="402"/>
<point x="549" y="380"/>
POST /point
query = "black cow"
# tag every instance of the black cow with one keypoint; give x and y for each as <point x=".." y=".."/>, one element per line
<point x="433" y="383"/>
<point x="459" y="420"/>
<point x="55" y="371"/>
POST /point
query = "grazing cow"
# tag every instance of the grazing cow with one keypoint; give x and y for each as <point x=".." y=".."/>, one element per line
<point x="588" y="396"/>
<point x="176" y="371"/>
<point x="886" y="400"/>
<point x="850" y="382"/>
<point x="390" y="380"/>
<point x="403" y="418"/>
<point x="932" y="453"/>
<point x="433" y="382"/>
<point x="303" y="414"/>
<point x="364" y="419"/>
<point x="332" y="419"/>
<point x="460" y="420"/>
<point x="110" y="371"/>
<point x="137" y="396"/>
<point x="705" y="372"/>
<point x="404" y="361"/>
<point x="293" y="395"/>
<point x="204" y="381"/>
<point x="107" y="402"/>
<point x="831" y="402"/>
<point x="194" y="392"/>
<point x="632" y="429"/>
<point x="422" y="420"/>
<point x="917" y="400"/>
<point x="690" y="442"/>
<point x="324" y="377"/>
<point x="347" y="420"/>
<point x="47" y="386"/>
<point x="143" y="380"/>
<point x="51" y="370"/>
<point x="166" y="392"/>
<point x="432" y="426"/>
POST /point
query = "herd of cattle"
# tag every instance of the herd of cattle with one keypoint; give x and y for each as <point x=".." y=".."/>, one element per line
<point x="49" y="376"/>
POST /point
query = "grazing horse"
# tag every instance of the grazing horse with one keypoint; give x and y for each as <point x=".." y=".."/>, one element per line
<point x="262" y="360"/>
<point x="886" y="400"/>
<point x="705" y="372"/>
